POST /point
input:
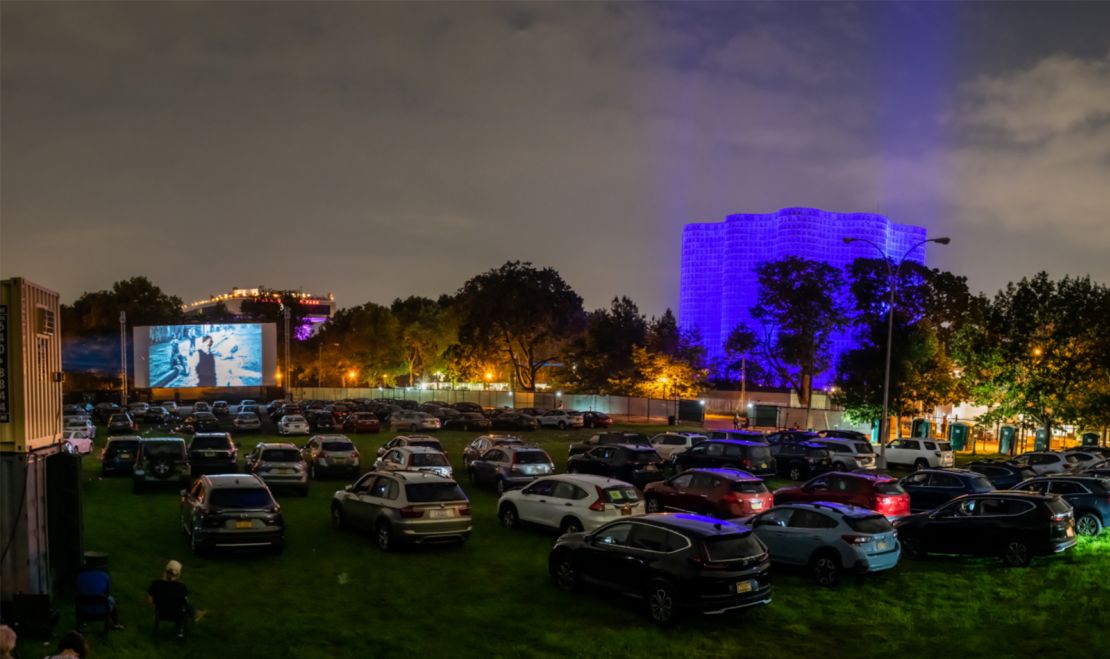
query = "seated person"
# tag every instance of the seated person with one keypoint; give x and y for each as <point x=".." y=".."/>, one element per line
<point x="170" y="598"/>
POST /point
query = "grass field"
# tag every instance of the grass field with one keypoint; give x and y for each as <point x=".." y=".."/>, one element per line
<point x="333" y="594"/>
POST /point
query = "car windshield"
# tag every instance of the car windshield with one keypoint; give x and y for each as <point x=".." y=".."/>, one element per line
<point x="889" y="487"/>
<point x="427" y="443"/>
<point x="338" y="446"/>
<point x="126" y="446"/>
<point x="246" y="417"/>
<point x="622" y="495"/>
<point x="531" y="458"/>
<point x="749" y="487"/>
<point x="980" y="483"/>
<point x="732" y="547"/>
<point x="864" y="447"/>
<point x="293" y="418"/>
<point x="76" y="422"/>
<point x="281" y="455"/>
<point x="837" y="448"/>
<point x="429" y="460"/>
<point x="431" y="492"/>
<point x="240" y="497"/>
<point x="208" y="443"/>
<point x="869" y="524"/>
<point x="171" y="449"/>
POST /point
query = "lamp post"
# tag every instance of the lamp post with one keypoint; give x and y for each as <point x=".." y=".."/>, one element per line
<point x="894" y="269"/>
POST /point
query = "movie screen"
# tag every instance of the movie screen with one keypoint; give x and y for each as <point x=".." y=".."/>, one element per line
<point x="224" y="355"/>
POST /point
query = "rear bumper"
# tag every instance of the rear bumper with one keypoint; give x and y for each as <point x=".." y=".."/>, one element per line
<point x="878" y="562"/>
<point x="228" y="539"/>
<point x="430" y="532"/>
<point x="715" y="604"/>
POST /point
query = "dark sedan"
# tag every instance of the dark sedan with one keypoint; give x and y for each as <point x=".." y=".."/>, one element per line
<point x="1088" y="495"/>
<point x="468" y="421"/>
<point x="118" y="456"/>
<point x="514" y="421"/>
<point x="931" y="488"/>
<point x="593" y="419"/>
<point x="671" y="562"/>
<point x="361" y="422"/>
<point x="121" y="423"/>
<point x="638" y="465"/>
<point x="1002" y="475"/>
<point x="753" y="457"/>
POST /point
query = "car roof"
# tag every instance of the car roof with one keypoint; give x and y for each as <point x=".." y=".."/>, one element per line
<point x="148" y="440"/>
<point x="414" y="476"/>
<point x="328" y="438"/>
<point x="697" y="524"/>
<point x="600" y="481"/>
<point x="842" y="508"/>
<point x="212" y="434"/>
<point x="736" y="442"/>
<point x="417" y="438"/>
<point x="224" y="481"/>
<point x="731" y="474"/>
<point x="860" y="475"/>
<point x="416" y="449"/>
<point x="956" y="471"/>
<point x="266" y="445"/>
<point x="130" y="438"/>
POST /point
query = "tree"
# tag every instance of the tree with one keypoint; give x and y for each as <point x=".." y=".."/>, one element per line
<point x="367" y="346"/>
<point x="799" y="307"/>
<point x="524" y="314"/>
<point x="660" y="375"/>
<point x="424" y="332"/>
<point x="601" y="356"/>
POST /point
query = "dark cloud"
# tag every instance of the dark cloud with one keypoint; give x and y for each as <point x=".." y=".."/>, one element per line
<point x="378" y="150"/>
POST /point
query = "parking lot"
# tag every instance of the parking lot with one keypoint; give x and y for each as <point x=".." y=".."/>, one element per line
<point x="334" y="594"/>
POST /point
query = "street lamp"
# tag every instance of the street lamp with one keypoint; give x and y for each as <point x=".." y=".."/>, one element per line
<point x="893" y="271"/>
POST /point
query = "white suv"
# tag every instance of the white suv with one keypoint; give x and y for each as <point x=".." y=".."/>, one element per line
<point x="847" y="454"/>
<point x="561" y="419"/>
<point x="1048" y="462"/>
<point x="920" y="453"/>
<point x="414" y="458"/>
<point x="668" y="444"/>
<point x="570" y="503"/>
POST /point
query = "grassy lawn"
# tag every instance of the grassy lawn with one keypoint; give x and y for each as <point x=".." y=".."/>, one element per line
<point x="333" y="594"/>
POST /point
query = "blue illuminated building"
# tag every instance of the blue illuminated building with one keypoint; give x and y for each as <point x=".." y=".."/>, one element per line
<point x="719" y="287"/>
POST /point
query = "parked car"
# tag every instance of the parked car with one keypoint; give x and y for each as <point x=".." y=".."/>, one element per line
<point x="160" y="461"/>
<point x="278" y="465"/>
<point x="667" y="444"/>
<point x="1002" y="475"/>
<point x="742" y="435"/>
<point x="561" y="419"/>
<point x="1047" y="462"/>
<point x="414" y="458"/>
<point x="848" y="454"/>
<point x="77" y="442"/>
<point x="802" y="460"/>
<point x="674" y="563"/>
<point x="1016" y="526"/>
<point x="1089" y="496"/>
<point x="221" y="408"/>
<point x="104" y="411"/>
<point x="413" y="420"/>
<point x="920" y="453"/>
<point x="753" y="457"/>
<point x="787" y="436"/>
<point x="361" y="422"/>
<point x="592" y="419"/>
<point x="722" y="493"/>
<point x="292" y="424"/>
<point x="1083" y="458"/>
<point x="874" y="491"/>
<point x="638" y="465"/>
<point x="326" y="422"/>
<point x="510" y="466"/>
<point x="203" y="422"/>
<point x="121" y="424"/>
<point x="468" y="421"/>
<point x="213" y="453"/>
<point x="202" y="406"/>
<point x="467" y="407"/>
<point x="931" y="488"/>
<point x="231" y="511"/>
<point x="570" y="502"/>
<point x="608" y="438"/>
<point x="329" y="454"/>
<point x="481" y="444"/>
<point x="416" y="507"/>
<point x="828" y="539"/>
<point x="244" y="421"/>
<point x="836" y="433"/>
<point x="80" y="426"/>
<point x="514" y="421"/>
<point x="157" y="415"/>
<point x="425" y="441"/>
<point x="118" y="455"/>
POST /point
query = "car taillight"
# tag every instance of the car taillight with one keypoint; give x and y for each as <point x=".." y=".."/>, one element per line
<point x="730" y="498"/>
<point x="464" y="510"/>
<point x="409" y="512"/>
<point x="355" y="453"/>
<point x="854" y="539"/>
<point x="599" y="505"/>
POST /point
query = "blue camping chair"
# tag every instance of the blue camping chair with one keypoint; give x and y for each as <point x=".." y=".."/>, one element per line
<point x="93" y="598"/>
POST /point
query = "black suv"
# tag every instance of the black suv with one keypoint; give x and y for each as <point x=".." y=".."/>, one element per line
<point x="1002" y="475"/>
<point x="213" y="453"/>
<point x="930" y="488"/>
<point x="231" y="510"/>
<point x="204" y="422"/>
<point x="118" y="455"/>
<point x="638" y="465"/>
<point x="802" y="460"/>
<point x="673" y="562"/>
<point x="160" y="461"/>
<point x="784" y="436"/>
<point x="1088" y="495"/>
<point x="1015" y="526"/>
<point x="607" y="438"/>
<point x="752" y="457"/>
<point x="121" y="423"/>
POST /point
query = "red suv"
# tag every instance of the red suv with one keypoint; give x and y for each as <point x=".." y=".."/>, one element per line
<point x="724" y="493"/>
<point x="879" y="492"/>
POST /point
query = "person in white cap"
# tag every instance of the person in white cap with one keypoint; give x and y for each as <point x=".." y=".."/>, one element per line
<point x="170" y="598"/>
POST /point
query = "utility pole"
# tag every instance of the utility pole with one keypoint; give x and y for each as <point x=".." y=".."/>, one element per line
<point x="123" y="359"/>
<point x="288" y="369"/>
<point x="744" y="388"/>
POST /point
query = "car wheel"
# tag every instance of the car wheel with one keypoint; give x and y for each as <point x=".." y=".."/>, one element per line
<point x="337" y="520"/>
<point x="912" y="548"/>
<point x="1017" y="554"/>
<point x="653" y="505"/>
<point x="1088" y="525"/>
<point x="562" y="425"/>
<point x="825" y="568"/>
<point x="839" y="466"/>
<point x="571" y="525"/>
<point x="383" y="535"/>
<point x="508" y="516"/>
<point x="500" y="486"/>
<point x="795" y="473"/>
<point x="565" y="573"/>
<point x="662" y="606"/>
<point x="920" y="463"/>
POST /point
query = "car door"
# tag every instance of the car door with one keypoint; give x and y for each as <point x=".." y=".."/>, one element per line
<point x="692" y="458"/>
<point x="697" y="496"/>
<point x="770" y="527"/>
<point x="917" y="486"/>
<point x="1072" y="492"/>
<point x="189" y="503"/>
<point x="674" y="493"/>
<point x="945" y="487"/>
<point x="553" y="508"/>
<point x="802" y="535"/>
<point x="953" y="529"/>
<point x="604" y="553"/>
<point x="357" y="501"/>
<point x="533" y="500"/>
<point x="595" y="460"/>
<point x="485" y="469"/>
<point x="843" y="489"/>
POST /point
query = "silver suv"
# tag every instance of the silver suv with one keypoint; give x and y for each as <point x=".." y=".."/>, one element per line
<point x="509" y="467"/>
<point x="404" y="506"/>
<point x="279" y="465"/>
<point x="848" y="454"/>
<point x="415" y="458"/>
<point x="327" y="454"/>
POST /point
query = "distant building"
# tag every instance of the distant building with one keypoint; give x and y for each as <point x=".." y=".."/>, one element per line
<point x="718" y="282"/>
<point x="315" y="309"/>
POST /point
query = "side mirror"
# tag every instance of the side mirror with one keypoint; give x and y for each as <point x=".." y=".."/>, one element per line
<point x="348" y="488"/>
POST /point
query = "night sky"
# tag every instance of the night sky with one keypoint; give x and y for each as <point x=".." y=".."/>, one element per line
<point x="383" y="150"/>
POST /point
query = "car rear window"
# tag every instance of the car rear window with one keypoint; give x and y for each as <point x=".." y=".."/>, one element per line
<point x="431" y="492"/>
<point x="732" y="547"/>
<point x="429" y="460"/>
<point x="889" y="487"/>
<point x="761" y="452"/>
<point x="944" y="446"/>
<point x="338" y="446"/>
<point x="294" y="418"/>
<point x="531" y="458"/>
<point x="622" y="495"/>
<point x="209" y="443"/>
<point x="118" y="446"/>
<point x="240" y="497"/>
<point x="281" y="455"/>
<point x="817" y="453"/>
<point x="247" y="415"/>
<point x="642" y="457"/>
<point x="1058" y="505"/>
<point x="749" y="487"/>
<point x="151" y="450"/>
<point x="869" y="524"/>
<point x="837" y="448"/>
<point x="428" y="443"/>
<point x="864" y="447"/>
<point x="981" y="484"/>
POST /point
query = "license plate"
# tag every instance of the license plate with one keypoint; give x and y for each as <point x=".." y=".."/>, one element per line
<point x="1071" y="532"/>
<point x="209" y="454"/>
<point x="744" y="586"/>
<point x="882" y="544"/>
<point x="439" y="514"/>
<point x="756" y="505"/>
<point x="762" y="465"/>
<point x="283" y="470"/>
<point x="339" y="461"/>
<point x="650" y="468"/>
<point x="626" y="510"/>
<point x="243" y="524"/>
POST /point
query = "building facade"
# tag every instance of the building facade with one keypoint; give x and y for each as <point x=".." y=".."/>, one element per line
<point x="313" y="310"/>
<point x="718" y="284"/>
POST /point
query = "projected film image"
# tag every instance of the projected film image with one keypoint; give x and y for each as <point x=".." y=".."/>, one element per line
<point x="227" y="355"/>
